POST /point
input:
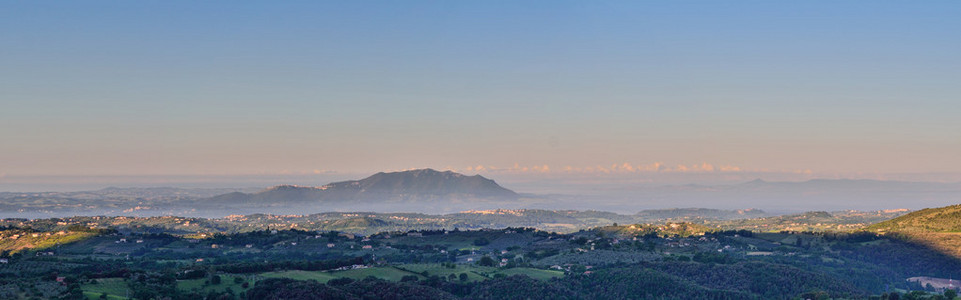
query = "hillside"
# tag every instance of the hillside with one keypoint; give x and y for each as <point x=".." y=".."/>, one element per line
<point x="938" y="228"/>
<point x="941" y="219"/>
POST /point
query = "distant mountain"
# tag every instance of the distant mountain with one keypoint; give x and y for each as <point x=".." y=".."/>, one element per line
<point x="423" y="182"/>
<point x="414" y="186"/>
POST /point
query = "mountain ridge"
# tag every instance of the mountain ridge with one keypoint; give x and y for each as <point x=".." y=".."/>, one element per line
<point x="404" y="186"/>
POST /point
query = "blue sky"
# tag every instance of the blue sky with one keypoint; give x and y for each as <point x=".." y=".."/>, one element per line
<point x="242" y="87"/>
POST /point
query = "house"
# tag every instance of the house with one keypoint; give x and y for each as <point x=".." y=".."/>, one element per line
<point x="139" y="241"/>
<point x="415" y="234"/>
<point x="4" y="261"/>
<point x="248" y="246"/>
<point x="368" y="247"/>
<point x="330" y="245"/>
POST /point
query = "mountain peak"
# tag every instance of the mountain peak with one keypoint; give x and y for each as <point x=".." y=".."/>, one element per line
<point x="411" y="186"/>
<point x="426" y="182"/>
<point x="424" y="172"/>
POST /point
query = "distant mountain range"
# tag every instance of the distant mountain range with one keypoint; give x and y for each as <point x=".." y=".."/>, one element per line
<point x="444" y="192"/>
<point x="414" y="186"/>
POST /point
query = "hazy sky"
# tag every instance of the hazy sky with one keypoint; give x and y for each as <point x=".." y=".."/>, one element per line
<point x="271" y="87"/>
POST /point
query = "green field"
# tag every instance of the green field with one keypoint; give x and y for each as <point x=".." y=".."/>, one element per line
<point x="386" y="273"/>
<point x="478" y="273"/>
<point x="473" y="272"/>
<point x="227" y="281"/>
<point x="300" y="275"/>
<point x="533" y="273"/>
<point x="115" y="288"/>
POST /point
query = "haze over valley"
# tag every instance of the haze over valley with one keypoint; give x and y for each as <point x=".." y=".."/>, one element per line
<point x="440" y="192"/>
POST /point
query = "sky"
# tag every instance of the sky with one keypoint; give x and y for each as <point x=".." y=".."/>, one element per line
<point x="241" y="88"/>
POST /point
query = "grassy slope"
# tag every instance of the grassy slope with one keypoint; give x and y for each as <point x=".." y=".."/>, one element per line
<point x="28" y="242"/>
<point x="941" y="219"/>
<point x="938" y="228"/>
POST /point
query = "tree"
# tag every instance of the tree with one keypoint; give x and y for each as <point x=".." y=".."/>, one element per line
<point x="950" y="294"/>
<point x="215" y="279"/>
<point x="486" y="261"/>
<point x="463" y="277"/>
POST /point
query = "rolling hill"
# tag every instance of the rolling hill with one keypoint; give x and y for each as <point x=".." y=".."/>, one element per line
<point x="941" y="219"/>
<point x="938" y="228"/>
